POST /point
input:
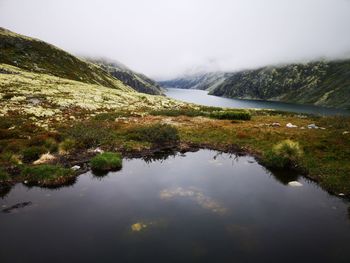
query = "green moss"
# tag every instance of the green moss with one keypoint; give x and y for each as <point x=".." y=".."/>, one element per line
<point x="46" y="173"/>
<point x="106" y="161"/>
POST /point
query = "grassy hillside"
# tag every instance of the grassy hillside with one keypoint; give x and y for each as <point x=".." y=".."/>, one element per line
<point x="205" y="81"/>
<point x="37" y="56"/>
<point x="133" y="79"/>
<point x="320" y="83"/>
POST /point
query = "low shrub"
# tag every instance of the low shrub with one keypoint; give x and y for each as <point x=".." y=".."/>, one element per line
<point x="4" y="176"/>
<point x="111" y="116"/>
<point x="46" y="173"/>
<point x="106" y="161"/>
<point x="155" y="133"/>
<point x="51" y="145"/>
<point x="230" y="115"/>
<point x="67" y="146"/>
<point x="211" y="112"/>
<point x="283" y="154"/>
<point x="33" y="153"/>
<point x="90" y="134"/>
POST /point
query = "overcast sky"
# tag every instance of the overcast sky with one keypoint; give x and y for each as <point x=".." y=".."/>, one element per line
<point x="163" y="38"/>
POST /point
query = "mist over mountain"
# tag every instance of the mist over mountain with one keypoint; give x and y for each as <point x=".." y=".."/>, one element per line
<point x="165" y="38"/>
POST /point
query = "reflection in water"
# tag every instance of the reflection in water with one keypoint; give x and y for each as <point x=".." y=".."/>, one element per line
<point x="284" y="176"/>
<point x="195" y="195"/>
<point x="198" y="207"/>
<point x="16" y="207"/>
<point x="4" y="190"/>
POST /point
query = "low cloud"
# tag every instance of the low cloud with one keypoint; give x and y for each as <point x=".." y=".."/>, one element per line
<point x="163" y="38"/>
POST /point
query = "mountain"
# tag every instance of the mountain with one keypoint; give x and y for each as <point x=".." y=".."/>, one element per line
<point x="202" y="81"/>
<point x="40" y="57"/>
<point x="133" y="79"/>
<point x="323" y="83"/>
<point x="48" y="85"/>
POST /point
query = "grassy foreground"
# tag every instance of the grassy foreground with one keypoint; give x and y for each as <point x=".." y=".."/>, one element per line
<point x="323" y="154"/>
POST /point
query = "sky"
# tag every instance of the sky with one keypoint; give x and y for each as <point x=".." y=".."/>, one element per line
<point x="167" y="38"/>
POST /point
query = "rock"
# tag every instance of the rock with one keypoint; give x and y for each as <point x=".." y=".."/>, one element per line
<point x="98" y="150"/>
<point x="312" y="126"/>
<point x="341" y="194"/>
<point x="345" y="132"/>
<point x="275" y="124"/>
<point x="25" y="182"/>
<point x="75" y="167"/>
<point x="294" y="184"/>
<point x="45" y="158"/>
<point x="289" y="125"/>
<point x="302" y="128"/>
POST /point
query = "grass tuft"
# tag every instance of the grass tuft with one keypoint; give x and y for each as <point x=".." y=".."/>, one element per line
<point x="106" y="162"/>
<point x="283" y="154"/>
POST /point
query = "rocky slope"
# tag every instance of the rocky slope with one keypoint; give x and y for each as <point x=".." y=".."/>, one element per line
<point x="321" y="83"/>
<point x="203" y="81"/>
<point x="131" y="78"/>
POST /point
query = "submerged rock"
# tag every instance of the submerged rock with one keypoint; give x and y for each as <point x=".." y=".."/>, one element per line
<point x="295" y="184"/>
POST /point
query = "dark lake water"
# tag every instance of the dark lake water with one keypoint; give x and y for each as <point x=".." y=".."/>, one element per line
<point x="197" y="207"/>
<point x="202" y="97"/>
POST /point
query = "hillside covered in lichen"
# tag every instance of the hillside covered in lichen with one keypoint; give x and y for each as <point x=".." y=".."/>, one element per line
<point x="320" y="83"/>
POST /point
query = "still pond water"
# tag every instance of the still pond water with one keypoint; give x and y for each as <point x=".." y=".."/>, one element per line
<point x="202" y="97"/>
<point x="197" y="207"/>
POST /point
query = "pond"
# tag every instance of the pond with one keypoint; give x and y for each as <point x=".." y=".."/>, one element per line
<point x="201" y="206"/>
<point x="202" y="97"/>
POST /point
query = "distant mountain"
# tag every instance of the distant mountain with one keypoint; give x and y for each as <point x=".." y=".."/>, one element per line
<point x="202" y="81"/>
<point x="133" y="79"/>
<point x="320" y="83"/>
<point x="40" y="57"/>
<point x="323" y="83"/>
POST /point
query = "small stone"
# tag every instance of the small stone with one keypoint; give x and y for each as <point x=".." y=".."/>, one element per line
<point x="294" y="184"/>
<point x="98" y="150"/>
<point x="25" y="182"/>
<point x="345" y="132"/>
<point x="341" y="194"/>
<point x="312" y="126"/>
<point x="75" y="167"/>
<point x="289" y="125"/>
<point x="302" y="128"/>
<point x="275" y="124"/>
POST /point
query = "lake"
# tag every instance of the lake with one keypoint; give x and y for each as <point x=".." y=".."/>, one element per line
<point x="195" y="207"/>
<point x="202" y="97"/>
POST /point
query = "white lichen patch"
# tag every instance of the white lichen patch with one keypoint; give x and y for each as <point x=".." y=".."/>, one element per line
<point x="56" y="95"/>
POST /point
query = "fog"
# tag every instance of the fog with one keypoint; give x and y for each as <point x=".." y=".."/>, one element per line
<point x="163" y="38"/>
